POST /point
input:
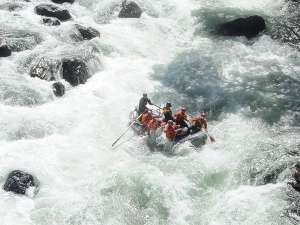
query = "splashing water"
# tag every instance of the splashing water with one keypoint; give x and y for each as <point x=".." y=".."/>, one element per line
<point x="250" y="89"/>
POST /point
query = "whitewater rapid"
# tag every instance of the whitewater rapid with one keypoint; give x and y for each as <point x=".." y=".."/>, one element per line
<point x="66" y="142"/>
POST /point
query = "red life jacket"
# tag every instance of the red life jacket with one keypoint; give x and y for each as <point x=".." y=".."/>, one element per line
<point x="146" y="117"/>
<point x="153" y="124"/>
<point x="170" y="131"/>
<point x="180" y="116"/>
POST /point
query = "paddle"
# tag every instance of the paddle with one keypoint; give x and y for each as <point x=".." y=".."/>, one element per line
<point x="116" y="141"/>
<point x="157" y="106"/>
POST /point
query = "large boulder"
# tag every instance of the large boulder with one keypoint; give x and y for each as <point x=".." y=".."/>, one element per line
<point x="85" y="33"/>
<point x="62" y="1"/>
<point x="53" y="11"/>
<point x="4" y="51"/>
<point x="51" y="21"/>
<point x="249" y="27"/>
<point x="19" y="181"/>
<point x="19" y="40"/>
<point x="130" y="10"/>
<point x="58" y="89"/>
<point x="75" y="71"/>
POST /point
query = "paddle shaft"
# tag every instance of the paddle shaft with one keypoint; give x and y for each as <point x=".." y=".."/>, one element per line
<point x="115" y="142"/>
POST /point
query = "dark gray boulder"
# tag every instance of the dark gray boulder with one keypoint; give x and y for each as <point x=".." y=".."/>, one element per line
<point x="130" y="10"/>
<point x="51" y="21"/>
<point x="63" y="1"/>
<point x="58" y="89"/>
<point x="53" y="11"/>
<point x="249" y="27"/>
<point x="86" y="33"/>
<point x="75" y="71"/>
<point x="5" y="51"/>
<point x="18" y="182"/>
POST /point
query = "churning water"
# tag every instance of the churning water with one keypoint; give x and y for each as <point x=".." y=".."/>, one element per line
<point x="249" y="87"/>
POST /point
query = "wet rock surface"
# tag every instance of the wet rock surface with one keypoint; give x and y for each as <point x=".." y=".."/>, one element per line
<point x="58" y="89"/>
<point x="86" y="33"/>
<point x="50" y="10"/>
<point x="130" y="10"/>
<point x="75" y="71"/>
<point x="51" y="21"/>
<point x="18" y="182"/>
<point x="286" y="27"/>
<point x="63" y="1"/>
<point x="45" y="69"/>
<point x="5" y="51"/>
<point x="248" y="27"/>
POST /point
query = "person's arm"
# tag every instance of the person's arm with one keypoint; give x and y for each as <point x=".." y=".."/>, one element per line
<point x="149" y="101"/>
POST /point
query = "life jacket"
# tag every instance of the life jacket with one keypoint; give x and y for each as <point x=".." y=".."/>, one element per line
<point x="199" y="122"/>
<point x="170" y="131"/>
<point x="180" y="116"/>
<point x="146" y="117"/>
<point x="153" y="124"/>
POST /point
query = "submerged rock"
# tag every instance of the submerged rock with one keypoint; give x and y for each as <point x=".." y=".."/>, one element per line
<point x="58" y="89"/>
<point x="130" y="10"/>
<point x="53" y="11"/>
<point x="87" y="33"/>
<point x="20" y="40"/>
<point x="45" y="69"/>
<point x="11" y="6"/>
<point x="286" y="27"/>
<point x="51" y="21"/>
<point x="5" y="51"/>
<point x="75" y="71"/>
<point x="62" y="1"/>
<point x="19" y="181"/>
<point x="249" y="27"/>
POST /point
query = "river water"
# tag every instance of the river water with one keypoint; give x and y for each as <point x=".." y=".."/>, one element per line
<point x="249" y="87"/>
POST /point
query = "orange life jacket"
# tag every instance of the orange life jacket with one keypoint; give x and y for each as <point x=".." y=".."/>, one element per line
<point x="146" y="117"/>
<point x="180" y="116"/>
<point x="199" y="122"/>
<point x="170" y="131"/>
<point x="153" y="124"/>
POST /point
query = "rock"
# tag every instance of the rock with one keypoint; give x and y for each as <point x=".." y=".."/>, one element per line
<point x="51" y="21"/>
<point x="58" y="89"/>
<point x="74" y="71"/>
<point x="53" y="11"/>
<point x="63" y="1"/>
<point x="296" y="186"/>
<point x="86" y="33"/>
<point x="4" y="51"/>
<point x="45" y="69"/>
<point x="19" y="40"/>
<point x="286" y="26"/>
<point x="130" y="10"/>
<point x="249" y="27"/>
<point x="19" y="181"/>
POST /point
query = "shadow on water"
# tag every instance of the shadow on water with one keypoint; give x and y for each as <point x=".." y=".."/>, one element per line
<point x="195" y="79"/>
